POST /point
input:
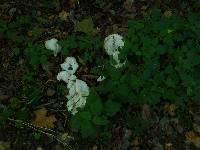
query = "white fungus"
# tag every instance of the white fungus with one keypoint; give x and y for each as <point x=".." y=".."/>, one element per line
<point x="77" y="96"/>
<point x="70" y="65"/>
<point x="101" y="78"/>
<point x="82" y="88"/>
<point x="53" y="45"/>
<point x="112" y="44"/>
<point x="75" y="103"/>
<point x="71" y="81"/>
<point x="64" y="76"/>
<point x="78" y="89"/>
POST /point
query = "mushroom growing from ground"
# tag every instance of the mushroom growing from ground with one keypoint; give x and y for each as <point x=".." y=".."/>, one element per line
<point x="53" y="45"/>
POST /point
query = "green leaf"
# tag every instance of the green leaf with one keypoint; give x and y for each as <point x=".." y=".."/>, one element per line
<point x="22" y="114"/>
<point x="122" y="92"/>
<point x="135" y="81"/>
<point x="5" y="115"/>
<point x="87" y="129"/>
<point x="15" y="51"/>
<point x="43" y="59"/>
<point x="14" y="102"/>
<point x="85" y="115"/>
<point x="100" y="120"/>
<point x="76" y="121"/>
<point x="112" y="107"/>
<point x="95" y="104"/>
<point x="36" y="135"/>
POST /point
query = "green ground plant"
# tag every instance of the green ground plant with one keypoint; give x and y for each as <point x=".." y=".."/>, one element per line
<point x="162" y="54"/>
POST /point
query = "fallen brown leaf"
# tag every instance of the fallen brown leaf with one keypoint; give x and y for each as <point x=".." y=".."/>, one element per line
<point x="170" y="109"/>
<point x="50" y="92"/>
<point x="136" y="141"/>
<point x="169" y="146"/>
<point x="63" y="15"/>
<point x="167" y="14"/>
<point x="193" y="138"/>
<point x="4" y="145"/>
<point x="42" y="120"/>
<point x="94" y="147"/>
<point x="129" y="5"/>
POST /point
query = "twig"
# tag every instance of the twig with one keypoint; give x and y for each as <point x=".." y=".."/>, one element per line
<point x="57" y="110"/>
<point x="46" y="130"/>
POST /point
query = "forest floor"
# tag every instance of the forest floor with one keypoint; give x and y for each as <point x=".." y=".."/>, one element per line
<point x="175" y="128"/>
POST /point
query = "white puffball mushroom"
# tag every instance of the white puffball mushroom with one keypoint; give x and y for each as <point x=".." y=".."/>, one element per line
<point x="82" y="88"/>
<point x="64" y="76"/>
<point x="115" y="56"/>
<point x="71" y="82"/>
<point x="112" y="43"/>
<point x="75" y="103"/>
<point x="77" y="96"/>
<point x="70" y="65"/>
<point x="78" y="89"/>
<point x="53" y="45"/>
<point x="101" y="78"/>
<point x="72" y="92"/>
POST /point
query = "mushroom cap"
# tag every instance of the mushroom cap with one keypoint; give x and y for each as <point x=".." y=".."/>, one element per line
<point x="70" y="65"/>
<point x="53" y="45"/>
<point x="112" y="43"/>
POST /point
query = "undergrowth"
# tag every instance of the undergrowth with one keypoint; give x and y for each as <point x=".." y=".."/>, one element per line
<point x="162" y="54"/>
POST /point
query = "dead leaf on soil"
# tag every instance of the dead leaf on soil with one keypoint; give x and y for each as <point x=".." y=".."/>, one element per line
<point x="39" y="147"/>
<point x="169" y="146"/>
<point x="72" y="3"/>
<point x="94" y="147"/>
<point x="63" y="15"/>
<point x="50" y="92"/>
<point x="168" y="13"/>
<point x="170" y="109"/>
<point x="82" y="61"/>
<point x="129" y="5"/>
<point x="193" y="138"/>
<point x="52" y="17"/>
<point x="85" y="26"/>
<point x="136" y="141"/>
<point x="4" y="145"/>
<point x="42" y="120"/>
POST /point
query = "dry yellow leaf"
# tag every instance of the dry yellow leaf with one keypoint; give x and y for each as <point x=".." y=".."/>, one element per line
<point x="52" y="17"/>
<point x="129" y="5"/>
<point x="170" y="109"/>
<point x="63" y="15"/>
<point x="94" y="147"/>
<point x="4" y="145"/>
<point x="42" y="120"/>
<point x="136" y="141"/>
<point x="39" y="148"/>
<point x="168" y="14"/>
<point x="193" y="138"/>
<point x="169" y="146"/>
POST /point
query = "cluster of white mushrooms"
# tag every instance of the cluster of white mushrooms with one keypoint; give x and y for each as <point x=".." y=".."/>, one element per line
<point x="78" y="89"/>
